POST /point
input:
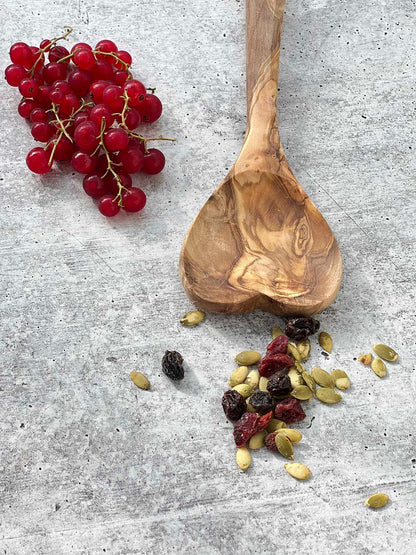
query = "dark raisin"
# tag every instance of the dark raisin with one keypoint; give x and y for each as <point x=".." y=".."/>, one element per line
<point x="269" y="365"/>
<point x="172" y="365"/>
<point x="245" y="427"/>
<point x="289" y="410"/>
<point x="234" y="404"/>
<point x="300" y="328"/>
<point x="262" y="402"/>
<point x="279" y="384"/>
<point x="270" y="441"/>
<point x="278" y="345"/>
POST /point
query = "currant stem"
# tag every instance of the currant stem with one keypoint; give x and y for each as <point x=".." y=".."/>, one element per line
<point x="118" y="198"/>
<point x="125" y="64"/>
<point x="41" y="51"/>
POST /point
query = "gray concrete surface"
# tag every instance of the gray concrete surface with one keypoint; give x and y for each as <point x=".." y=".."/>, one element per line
<point x="91" y="465"/>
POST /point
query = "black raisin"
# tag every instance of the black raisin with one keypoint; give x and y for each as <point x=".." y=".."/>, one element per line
<point x="302" y="327"/>
<point x="262" y="402"/>
<point x="172" y="365"/>
<point x="234" y="404"/>
<point x="279" y="384"/>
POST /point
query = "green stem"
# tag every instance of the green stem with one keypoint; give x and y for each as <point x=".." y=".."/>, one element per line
<point x="41" y="51"/>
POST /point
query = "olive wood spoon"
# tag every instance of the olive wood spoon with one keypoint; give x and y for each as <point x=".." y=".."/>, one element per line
<point x="259" y="242"/>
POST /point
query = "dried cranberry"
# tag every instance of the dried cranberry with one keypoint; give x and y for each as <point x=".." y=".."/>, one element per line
<point x="263" y="421"/>
<point x="289" y="410"/>
<point x="300" y="328"/>
<point x="269" y="365"/>
<point x="234" y="404"/>
<point x="279" y="384"/>
<point x="270" y="441"/>
<point x="278" y="345"/>
<point x="244" y="428"/>
<point x="262" y="402"/>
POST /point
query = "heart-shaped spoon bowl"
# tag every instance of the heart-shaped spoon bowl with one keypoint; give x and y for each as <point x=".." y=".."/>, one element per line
<point x="259" y="241"/>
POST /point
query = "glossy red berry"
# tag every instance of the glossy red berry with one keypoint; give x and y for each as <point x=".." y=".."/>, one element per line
<point x="28" y="87"/>
<point x="69" y="104"/>
<point x="120" y="77"/>
<point x="42" y="131"/>
<point x="113" y="183"/>
<point x="83" y="162"/>
<point x="80" y="46"/>
<point x="86" y="135"/>
<point x="64" y="149"/>
<point x="153" y="162"/>
<point x="84" y="59"/>
<point x="37" y="160"/>
<point x="37" y="60"/>
<point x="113" y="97"/>
<point x="94" y="186"/>
<point x="108" y="206"/>
<point x="135" y="90"/>
<point x="125" y="60"/>
<point x="15" y="73"/>
<point x="54" y="72"/>
<point x="20" y="53"/>
<point x="42" y="96"/>
<point x="116" y="139"/>
<point x="105" y="46"/>
<point x="38" y="114"/>
<point x="80" y="81"/>
<point x="102" y="70"/>
<point x="97" y="88"/>
<point x="133" y="200"/>
<point x="26" y="105"/>
<point x="45" y="45"/>
<point x="133" y="119"/>
<point x="150" y="108"/>
<point x="131" y="159"/>
<point x="101" y="112"/>
<point x="56" y="53"/>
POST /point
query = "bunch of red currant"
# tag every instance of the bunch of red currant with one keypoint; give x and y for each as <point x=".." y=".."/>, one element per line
<point x="85" y="105"/>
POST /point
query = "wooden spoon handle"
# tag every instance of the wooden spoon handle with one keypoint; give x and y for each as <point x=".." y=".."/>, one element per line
<point x="264" y="19"/>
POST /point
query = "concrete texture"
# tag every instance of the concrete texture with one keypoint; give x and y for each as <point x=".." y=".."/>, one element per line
<point x="91" y="465"/>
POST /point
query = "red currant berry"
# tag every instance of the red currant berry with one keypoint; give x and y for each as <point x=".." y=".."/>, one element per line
<point x="108" y="206"/>
<point x="20" y="53"/>
<point x="80" y="46"/>
<point x="42" y="131"/>
<point x="133" y="119"/>
<point x="83" y="162"/>
<point x="113" y="97"/>
<point x="102" y="112"/>
<point x="131" y="159"/>
<point x="69" y="104"/>
<point x="64" y="149"/>
<point x="37" y="61"/>
<point x="58" y="52"/>
<point x="45" y="45"/>
<point x="154" y="161"/>
<point x="120" y="77"/>
<point x="81" y="117"/>
<point x="124" y="57"/>
<point x="56" y="96"/>
<point x="84" y="59"/>
<point x="28" y="87"/>
<point x="97" y="89"/>
<point x="63" y="86"/>
<point x="135" y="90"/>
<point x="54" y="72"/>
<point x="113" y="184"/>
<point x="102" y="70"/>
<point x="150" y="109"/>
<point x="26" y="105"/>
<point x="15" y="73"/>
<point x="105" y="46"/>
<point x="86" y="135"/>
<point x="133" y="200"/>
<point x="37" y="160"/>
<point x="38" y="114"/>
<point x="94" y="186"/>
<point x="102" y="164"/>
<point x="116" y="139"/>
<point x="42" y="96"/>
<point x="38" y="77"/>
<point x="80" y="81"/>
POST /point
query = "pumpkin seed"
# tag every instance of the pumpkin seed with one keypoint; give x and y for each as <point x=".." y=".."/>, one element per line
<point x="263" y="383"/>
<point x="295" y="378"/>
<point x="301" y="392"/>
<point x="298" y="470"/>
<point x="238" y="376"/>
<point x="365" y="358"/>
<point x="276" y="331"/>
<point x="304" y="348"/>
<point x="243" y="389"/>
<point x="378" y="367"/>
<point x="294" y="435"/>
<point x="140" y="380"/>
<point x="309" y="381"/>
<point x="341" y="379"/>
<point x="250" y="408"/>
<point x="243" y="458"/>
<point x="385" y="352"/>
<point x="192" y="318"/>
<point x="300" y="367"/>
<point x="284" y="446"/>
<point x="325" y="341"/>
<point x="275" y="425"/>
<point x="292" y="350"/>
<point x="328" y="395"/>
<point x="257" y="441"/>
<point x="253" y="379"/>
<point x="248" y="358"/>
<point x="322" y="377"/>
<point x="377" y="500"/>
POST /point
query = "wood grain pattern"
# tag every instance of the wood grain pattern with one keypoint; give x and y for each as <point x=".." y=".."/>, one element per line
<point x="259" y="241"/>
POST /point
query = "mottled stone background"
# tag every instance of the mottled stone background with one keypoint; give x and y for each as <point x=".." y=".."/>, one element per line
<point x="90" y="464"/>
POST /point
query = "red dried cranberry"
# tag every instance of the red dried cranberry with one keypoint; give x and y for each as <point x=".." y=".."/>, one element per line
<point x="300" y="328"/>
<point x="263" y="421"/>
<point x="262" y="402"/>
<point x="270" y="441"/>
<point x="278" y="345"/>
<point x="245" y="427"/>
<point x="289" y="410"/>
<point x="279" y="384"/>
<point x="269" y="365"/>
<point x="234" y="404"/>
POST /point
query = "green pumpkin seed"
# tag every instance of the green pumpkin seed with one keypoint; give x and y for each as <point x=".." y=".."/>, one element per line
<point x="294" y="435"/>
<point x="309" y="381"/>
<point x="366" y="358"/>
<point x="243" y="389"/>
<point x="377" y="500"/>
<point x="385" y="352"/>
<point x="263" y="383"/>
<point x="300" y="367"/>
<point x="301" y="392"/>
<point x="248" y="358"/>
<point x="284" y="446"/>
<point x="378" y="367"/>
<point x="243" y="458"/>
<point x="257" y="441"/>
<point x="253" y="379"/>
<point x="140" y="380"/>
<point x="322" y="377"/>
<point x="325" y="341"/>
<point x="292" y="350"/>
<point x="238" y="376"/>
<point x="295" y="378"/>
<point x="276" y="332"/>
<point x="275" y="425"/>
<point x="304" y="348"/>
<point x="341" y="379"/>
<point x="298" y="470"/>
<point x="328" y="395"/>
<point x="192" y="318"/>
